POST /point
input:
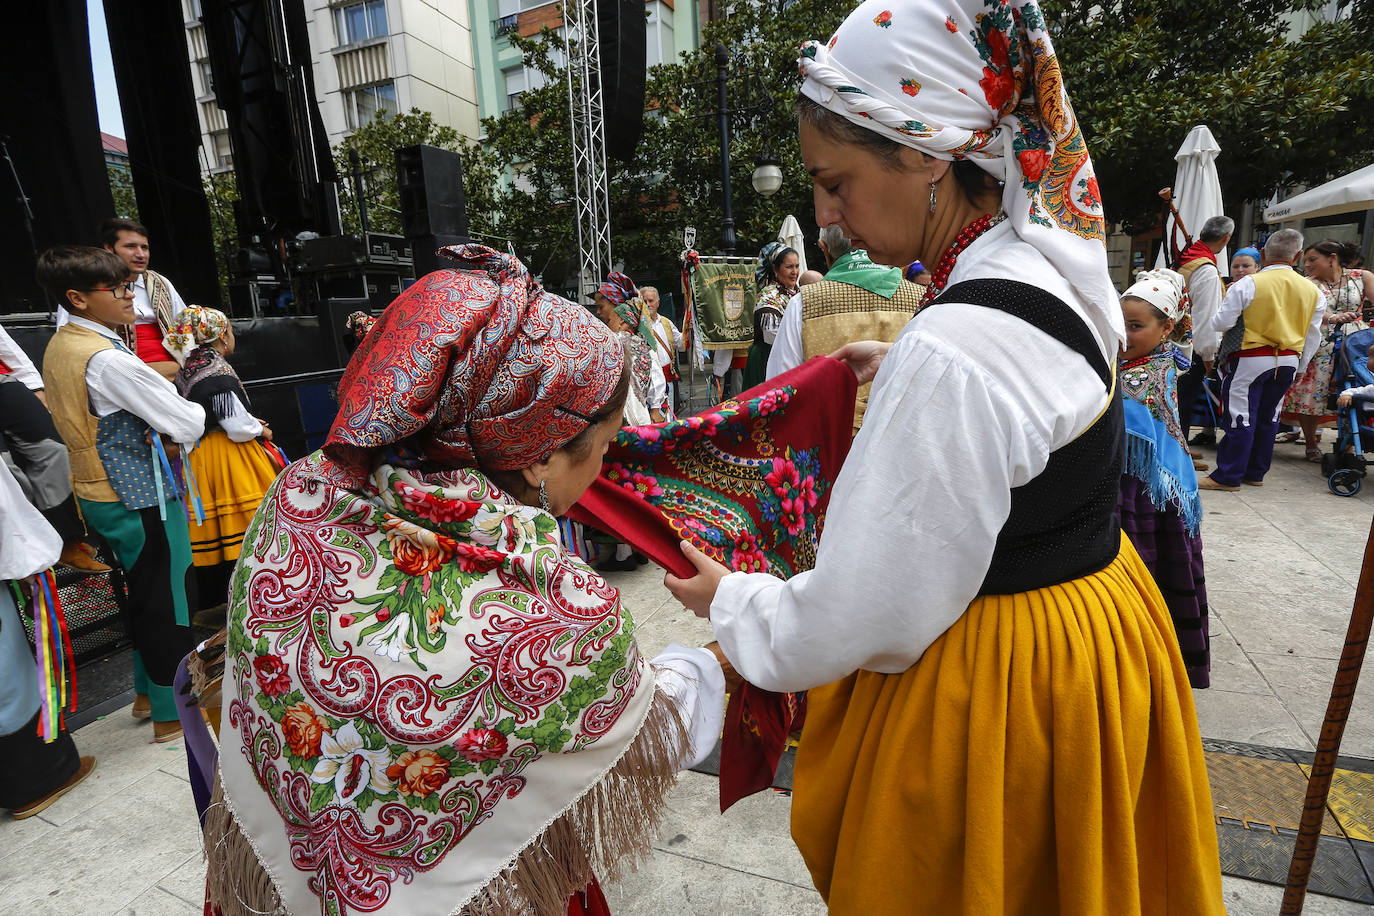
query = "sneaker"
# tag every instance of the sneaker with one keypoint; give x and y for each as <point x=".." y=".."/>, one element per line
<point x="29" y="810"/>
<point x="143" y="707"/>
<point x="75" y="558"/>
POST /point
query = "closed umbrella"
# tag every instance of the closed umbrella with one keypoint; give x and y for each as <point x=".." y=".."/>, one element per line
<point x="791" y="235"/>
<point x="1197" y="189"/>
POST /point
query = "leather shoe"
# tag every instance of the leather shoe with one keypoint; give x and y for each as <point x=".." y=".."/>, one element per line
<point x="1208" y="483"/>
<point x="75" y="558"/>
<point x="1253" y="483"/>
<point x="166" y="731"/>
<point x="29" y="810"/>
<point x="143" y="707"/>
<point x="1201" y="465"/>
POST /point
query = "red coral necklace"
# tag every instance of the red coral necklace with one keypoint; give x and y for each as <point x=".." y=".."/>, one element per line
<point x="940" y="275"/>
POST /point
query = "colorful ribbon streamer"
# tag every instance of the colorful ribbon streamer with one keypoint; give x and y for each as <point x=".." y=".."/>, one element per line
<point x="53" y="653"/>
<point x="160" y="456"/>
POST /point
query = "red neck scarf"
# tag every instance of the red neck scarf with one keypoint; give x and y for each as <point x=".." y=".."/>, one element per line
<point x="1195" y="251"/>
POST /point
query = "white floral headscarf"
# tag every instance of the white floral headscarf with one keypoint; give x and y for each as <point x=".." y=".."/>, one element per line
<point x="1162" y="288"/>
<point x="979" y="80"/>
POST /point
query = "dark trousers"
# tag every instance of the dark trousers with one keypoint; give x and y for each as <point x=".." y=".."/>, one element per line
<point x="1189" y="387"/>
<point x="1251" y="395"/>
<point x="30" y="769"/>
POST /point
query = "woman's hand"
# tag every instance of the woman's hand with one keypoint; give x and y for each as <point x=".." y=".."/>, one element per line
<point x="266" y="430"/>
<point x="863" y="357"/>
<point x="1345" y="399"/>
<point x="697" y="593"/>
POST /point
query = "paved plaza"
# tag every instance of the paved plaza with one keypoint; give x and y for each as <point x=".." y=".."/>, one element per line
<point x="1282" y="562"/>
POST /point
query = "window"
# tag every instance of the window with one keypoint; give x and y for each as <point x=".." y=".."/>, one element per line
<point x="194" y="6"/>
<point x="219" y="144"/>
<point x="658" y="44"/>
<point x="520" y="80"/>
<point x="368" y="102"/>
<point x="360" y="21"/>
<point x="207" y="80"/>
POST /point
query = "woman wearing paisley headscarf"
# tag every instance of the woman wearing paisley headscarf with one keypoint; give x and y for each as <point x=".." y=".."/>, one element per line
<point x="777" y="273"/>
<point x="619" y="306"/>
<point x="233" y="470"/>
<point x="431" y="706"/>
<point x="1158" y="500"/>
<point x="999" y="718"/>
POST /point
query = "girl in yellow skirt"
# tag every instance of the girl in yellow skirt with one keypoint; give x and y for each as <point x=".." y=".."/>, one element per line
<point x="999" y="718"/>
<point x="234" y="463"/>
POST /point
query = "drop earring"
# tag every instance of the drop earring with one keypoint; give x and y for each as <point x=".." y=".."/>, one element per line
<point x="932" y="197"/>
<point x="543" y="497"/>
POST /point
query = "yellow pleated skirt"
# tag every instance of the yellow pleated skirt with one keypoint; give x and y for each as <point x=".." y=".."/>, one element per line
<point x="1042" y="757"/>
<point x="231" y="478"/>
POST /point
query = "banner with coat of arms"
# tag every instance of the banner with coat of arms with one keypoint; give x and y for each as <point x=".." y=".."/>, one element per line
<point x="722" y="294"/>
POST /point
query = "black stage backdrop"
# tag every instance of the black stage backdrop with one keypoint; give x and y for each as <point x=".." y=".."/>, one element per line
<point x="148" y="47"/>
<point x="48" y="121"/>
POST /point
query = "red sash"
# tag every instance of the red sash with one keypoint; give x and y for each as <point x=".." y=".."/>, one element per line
<point x="148" y="338"/>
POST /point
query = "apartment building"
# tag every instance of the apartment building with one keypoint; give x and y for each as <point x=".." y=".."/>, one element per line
<point x="371" y="57"/>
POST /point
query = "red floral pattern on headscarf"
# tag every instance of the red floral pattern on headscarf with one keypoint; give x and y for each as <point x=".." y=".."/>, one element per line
<point x="472" y="365"/>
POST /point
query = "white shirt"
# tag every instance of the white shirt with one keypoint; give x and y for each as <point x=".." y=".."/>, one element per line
<point x="1205" y="291"/>
<point x="1242" y="293"/>
<point x="664" y="328"/>
<point x="12" y="355"/>
<point x="28" y="544"/>
<point x="238" y="424"/>
<point x="118" y="380"/>
<point x="692" y="677"/>
<point x="143" y="305"/>
<point x="787" y="350"/>
<point x="968" y="404"/>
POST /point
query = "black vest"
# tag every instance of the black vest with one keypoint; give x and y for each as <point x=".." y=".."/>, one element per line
<point x="1063" y="524"/>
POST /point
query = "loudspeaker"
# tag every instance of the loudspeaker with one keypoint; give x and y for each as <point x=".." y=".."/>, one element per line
<point x="426" y="259"/>
<point x="430" y="182"/>
<point x="623" y="31"/>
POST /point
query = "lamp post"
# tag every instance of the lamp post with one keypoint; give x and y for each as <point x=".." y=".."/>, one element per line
<point x="727" y="223"/>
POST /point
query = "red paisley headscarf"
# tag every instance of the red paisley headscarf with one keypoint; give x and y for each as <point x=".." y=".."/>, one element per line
<point x="475" y="365"/>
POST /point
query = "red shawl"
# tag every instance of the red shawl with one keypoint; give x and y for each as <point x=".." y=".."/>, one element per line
<point x="747" y="482"/>
<point x="1195" y="251"/>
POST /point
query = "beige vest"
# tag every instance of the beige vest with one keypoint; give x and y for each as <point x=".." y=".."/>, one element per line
<point x="64" y="380"/>
<point x="834" y="314"/>
<point x="1188" y="269"/>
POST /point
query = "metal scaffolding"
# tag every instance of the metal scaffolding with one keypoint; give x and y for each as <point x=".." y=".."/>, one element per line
<point x="591" y="192"/>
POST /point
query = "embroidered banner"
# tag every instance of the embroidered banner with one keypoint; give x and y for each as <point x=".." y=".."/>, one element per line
<point x="722" y="296"/>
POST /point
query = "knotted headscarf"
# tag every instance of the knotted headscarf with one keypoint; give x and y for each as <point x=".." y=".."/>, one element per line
<point x="978" y="80"/>
<point x="1162" y="288"/>
<point x="763" y="273"/>
<point x="635" y="313"/>
<point x="1250" y="252"/>
<point x="195" y="326"/>
<point x="473" y="366"/>
<point x="618" y="288"/>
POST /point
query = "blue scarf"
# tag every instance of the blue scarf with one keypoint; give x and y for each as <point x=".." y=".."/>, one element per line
<point x="1156" y="452"/>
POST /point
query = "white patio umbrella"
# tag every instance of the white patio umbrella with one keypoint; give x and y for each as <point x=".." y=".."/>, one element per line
<point x="1197" y="189"/>
<point x="791" y="235"/>
<point x="1346" y="194"/>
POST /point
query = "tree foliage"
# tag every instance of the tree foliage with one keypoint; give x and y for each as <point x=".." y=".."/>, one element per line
<point x="122" y="190"/>
<point x="1285" y="108"/>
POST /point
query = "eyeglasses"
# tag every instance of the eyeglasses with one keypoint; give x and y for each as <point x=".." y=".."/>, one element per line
<point x="120" y="290"/>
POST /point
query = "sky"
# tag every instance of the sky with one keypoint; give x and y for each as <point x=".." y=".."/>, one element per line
<point x="106" y="96"/>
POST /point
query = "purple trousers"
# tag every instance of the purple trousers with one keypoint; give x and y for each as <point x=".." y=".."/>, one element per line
<point x="1250" y="397"/>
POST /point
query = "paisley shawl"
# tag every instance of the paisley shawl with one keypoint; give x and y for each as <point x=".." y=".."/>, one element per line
<point x="430" y="706"/>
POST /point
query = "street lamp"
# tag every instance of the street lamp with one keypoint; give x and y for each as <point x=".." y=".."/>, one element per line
<point x="767" y="176"/>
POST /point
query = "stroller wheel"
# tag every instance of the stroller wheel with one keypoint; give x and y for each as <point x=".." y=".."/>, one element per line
<point x="1344" y="483"/>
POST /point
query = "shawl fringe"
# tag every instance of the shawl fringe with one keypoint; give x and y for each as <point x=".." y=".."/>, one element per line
<point x="612" y="824"/>
<point x="1166" y="490"/>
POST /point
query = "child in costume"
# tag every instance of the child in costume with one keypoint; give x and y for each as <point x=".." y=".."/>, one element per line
<point x="1158" y="500"/>
<point x="113" y="410"/>
<point x="232" y="468"/>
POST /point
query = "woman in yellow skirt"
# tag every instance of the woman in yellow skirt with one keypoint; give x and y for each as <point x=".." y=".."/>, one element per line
<point x="234" y="463"/>
<point x="999" y="718"/>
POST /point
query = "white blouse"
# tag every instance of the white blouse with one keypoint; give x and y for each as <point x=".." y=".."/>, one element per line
<point x="968" y="404"/>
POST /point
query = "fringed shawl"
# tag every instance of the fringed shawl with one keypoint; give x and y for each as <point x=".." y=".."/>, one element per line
<point x="1156" y="451"/>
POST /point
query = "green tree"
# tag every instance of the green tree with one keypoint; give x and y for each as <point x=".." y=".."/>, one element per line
<point x="222" y="193"/>
<point x="1285" y="108"/>
<point x="122" y="188"/>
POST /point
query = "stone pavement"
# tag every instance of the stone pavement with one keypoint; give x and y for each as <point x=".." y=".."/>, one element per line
<point x="1282" y="562"/>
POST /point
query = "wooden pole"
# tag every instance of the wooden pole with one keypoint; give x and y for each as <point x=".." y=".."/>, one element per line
<point x="1175" y="252"/>
<point x="1333" y="728"/>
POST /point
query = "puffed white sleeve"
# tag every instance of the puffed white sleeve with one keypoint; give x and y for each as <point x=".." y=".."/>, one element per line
<point x="28" y="544"/>
<point x="130" y="384"/>
<point x="916" y="510"/>
<point x="658" y="385"/>
<point x="787" y="350"/>
<point x="692" y="677"/>
<point x="238" y="424"/>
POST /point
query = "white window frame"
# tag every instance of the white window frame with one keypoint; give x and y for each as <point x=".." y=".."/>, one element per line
<point x="350" y="100"/>
<point x="222" y="160"/>
<point x="341" y="29"/>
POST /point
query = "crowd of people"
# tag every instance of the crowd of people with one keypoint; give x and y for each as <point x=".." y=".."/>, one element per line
<point x="430" y="701"/>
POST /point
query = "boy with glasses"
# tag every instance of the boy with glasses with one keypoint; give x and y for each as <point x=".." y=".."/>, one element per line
<point x="107" y="403"/>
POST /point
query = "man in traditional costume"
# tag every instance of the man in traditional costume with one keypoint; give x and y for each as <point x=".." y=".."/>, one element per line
<point x="110" y="407"/>
<point x="1282" y="312"/>
<point x="156" y="301"/>
<point x="670" y="341"/>
<point x="1202" y="274"/>
<point x="857" y="300"/>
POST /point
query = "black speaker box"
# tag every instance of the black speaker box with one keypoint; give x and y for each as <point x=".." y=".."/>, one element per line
<point x="430" y="182"/>
<point x="426" y="258"/>
<point x="623" y="32"/>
